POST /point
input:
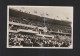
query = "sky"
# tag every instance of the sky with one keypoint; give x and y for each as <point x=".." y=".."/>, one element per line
<point x="54" y="12"/>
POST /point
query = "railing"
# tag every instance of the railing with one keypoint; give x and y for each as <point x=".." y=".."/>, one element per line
<point x="41" y="28"/>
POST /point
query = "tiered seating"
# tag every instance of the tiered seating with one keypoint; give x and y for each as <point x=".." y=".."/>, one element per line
<point x="50" y="27"/>
<point x="55" y="35"/>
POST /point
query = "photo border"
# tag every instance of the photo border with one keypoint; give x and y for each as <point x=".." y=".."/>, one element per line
<point x="37" y="47"/>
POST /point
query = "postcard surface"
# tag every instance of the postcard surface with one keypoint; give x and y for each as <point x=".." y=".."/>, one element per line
<point x="40" y="27"/>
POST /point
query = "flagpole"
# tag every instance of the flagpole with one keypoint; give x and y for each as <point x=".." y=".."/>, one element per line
<point x="44" y="22"/>
<point x="44" y="25"/>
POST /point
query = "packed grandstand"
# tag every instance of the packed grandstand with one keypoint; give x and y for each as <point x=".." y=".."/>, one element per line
<point x="28" y="30"/>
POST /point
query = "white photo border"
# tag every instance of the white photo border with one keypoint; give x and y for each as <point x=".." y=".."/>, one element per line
<point x="36" y="47"/>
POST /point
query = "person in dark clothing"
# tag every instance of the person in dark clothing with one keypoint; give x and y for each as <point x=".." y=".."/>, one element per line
<point x="46" y="44"/>
<point x="64" y="44"/>
<point x="36" y="43"/>
<point x="50" y="44"/>
<point x="22" y="41"/>
<point x="56" y="44"/>
<point x="11" y="43"/>
<point x="33" y="40"/>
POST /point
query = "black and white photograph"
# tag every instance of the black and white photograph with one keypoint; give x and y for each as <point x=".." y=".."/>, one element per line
<point x="40" y="27"/>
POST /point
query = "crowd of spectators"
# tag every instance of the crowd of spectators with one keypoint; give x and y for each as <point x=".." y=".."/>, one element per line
<point x="50" y="27"/>
<point x="18" y="39"/>
<point x="33" y="40"/>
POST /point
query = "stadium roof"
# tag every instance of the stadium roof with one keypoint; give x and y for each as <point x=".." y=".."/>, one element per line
<point x="16" y="13"/>
<point x="53" y="12"/>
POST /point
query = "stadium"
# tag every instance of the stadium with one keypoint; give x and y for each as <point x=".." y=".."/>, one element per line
<point x="28" y="29"/>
